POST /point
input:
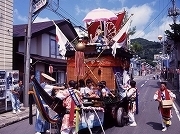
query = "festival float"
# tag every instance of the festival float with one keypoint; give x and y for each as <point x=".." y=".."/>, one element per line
<point x="102" y="56"/>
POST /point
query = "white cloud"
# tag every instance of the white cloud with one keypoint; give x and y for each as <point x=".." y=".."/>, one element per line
<point x="24" y="19"/>
<point x="19" y="17"/>
<point x="80" y="10"/>
<point x="142" y="15"/>
<point x="146" y="26"/>
<point x="39" y="19"/>
<point x="159" y="29"/>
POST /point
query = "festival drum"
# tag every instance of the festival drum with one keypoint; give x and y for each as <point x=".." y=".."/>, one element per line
<point x="167" y="103"/>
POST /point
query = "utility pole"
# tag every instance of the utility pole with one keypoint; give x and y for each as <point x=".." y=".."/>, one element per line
<point x="173" y="12"/>
<point x="35" y="7"/>
<point x="27" y="69"/>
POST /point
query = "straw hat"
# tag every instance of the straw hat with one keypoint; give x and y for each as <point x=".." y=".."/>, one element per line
<point x="48" y="77"/>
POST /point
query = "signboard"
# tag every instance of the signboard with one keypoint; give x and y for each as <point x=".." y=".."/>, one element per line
<point x="38" y="5"/>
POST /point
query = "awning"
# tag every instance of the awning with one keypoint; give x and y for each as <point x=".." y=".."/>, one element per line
<point x="46" y="60"/>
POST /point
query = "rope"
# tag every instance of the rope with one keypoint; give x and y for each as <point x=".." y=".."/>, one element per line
<point x="86" y="121"/>
<point x="98" y="120"/>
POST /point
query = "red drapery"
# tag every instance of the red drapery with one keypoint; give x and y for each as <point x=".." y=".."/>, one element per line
<point x="79" y="64"/>
<point x="94" y="25"/>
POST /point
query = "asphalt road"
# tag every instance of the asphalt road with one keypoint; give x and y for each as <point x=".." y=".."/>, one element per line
<point x="21" y="127"/>
<point x="148" y="120"/>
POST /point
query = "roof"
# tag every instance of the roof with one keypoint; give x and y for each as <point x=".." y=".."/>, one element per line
<point x="47" y="60"/>
<point x="45" y="27"/>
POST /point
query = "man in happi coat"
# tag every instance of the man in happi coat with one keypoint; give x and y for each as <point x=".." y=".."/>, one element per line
<point x="131" y="94"/>
<point x="68" y="121"/>
<point x="42" y="126"/>
<point x="165" y="113"/>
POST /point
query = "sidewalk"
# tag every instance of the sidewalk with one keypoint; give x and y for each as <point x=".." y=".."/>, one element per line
<point x="8" y="118"/>
<point x="175" y="91"/>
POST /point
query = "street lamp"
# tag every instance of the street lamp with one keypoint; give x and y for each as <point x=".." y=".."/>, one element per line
<point x="160" y="38"/>
<point x="139" y="66"/>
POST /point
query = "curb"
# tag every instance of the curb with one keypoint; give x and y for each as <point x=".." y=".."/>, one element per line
<point x="9" y="118"/>
<point x="14" y="120"/>
<point x="175" y="91"/>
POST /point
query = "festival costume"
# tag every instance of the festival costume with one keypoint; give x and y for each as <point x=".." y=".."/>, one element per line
<point x="68" y="121"/>
<point x="131" y="94"/>
<point x="41" y="125"/>
<point x="165" y="113"/>
<point x="85" y="92"/>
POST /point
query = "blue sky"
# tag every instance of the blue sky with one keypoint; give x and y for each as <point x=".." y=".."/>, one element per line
<point x="150" y="16"/>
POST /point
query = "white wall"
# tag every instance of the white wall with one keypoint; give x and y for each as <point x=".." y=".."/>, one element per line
<point x="33" y="46"/>
<point x="6" y="34"/>
<point x="45" y="45"/>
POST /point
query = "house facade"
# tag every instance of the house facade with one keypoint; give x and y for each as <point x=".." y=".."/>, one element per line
<point x="44" y="50"/>
<point x="174" y="65"/>
<point x="6" y="39"/>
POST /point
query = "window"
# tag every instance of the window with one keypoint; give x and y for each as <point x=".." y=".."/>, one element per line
<point x="61" y="76"/>
<point x="53" y="48"/>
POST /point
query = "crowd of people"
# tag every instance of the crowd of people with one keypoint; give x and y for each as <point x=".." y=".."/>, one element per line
<point x="82" y="90"/>
<point x="74" y="93"/>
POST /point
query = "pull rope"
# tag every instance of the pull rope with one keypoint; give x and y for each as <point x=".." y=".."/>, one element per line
<point x="99" y="120"/>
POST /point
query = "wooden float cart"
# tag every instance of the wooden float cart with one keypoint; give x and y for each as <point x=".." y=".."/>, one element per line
<point x="101" y="65"/>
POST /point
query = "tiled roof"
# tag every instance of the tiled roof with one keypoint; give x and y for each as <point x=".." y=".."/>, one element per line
<point x="44" y="27"/>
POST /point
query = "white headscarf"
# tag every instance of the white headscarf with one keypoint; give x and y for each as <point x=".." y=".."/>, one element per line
<point x="126" y="78"/>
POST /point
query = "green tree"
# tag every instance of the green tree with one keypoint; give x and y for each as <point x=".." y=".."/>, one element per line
<point x="136" y="47"/>
<point x="132" y="31"/>
<point x="174" y="33"/>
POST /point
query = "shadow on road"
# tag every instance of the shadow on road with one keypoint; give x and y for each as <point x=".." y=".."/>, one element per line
<point x="155" y="125"/>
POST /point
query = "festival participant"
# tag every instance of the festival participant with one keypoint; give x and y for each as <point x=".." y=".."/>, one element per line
<point x="41" y="126"/>
<point x="106" y="91"/>
<point x="99" y="92"/>
<point x="99" y="38"/>
<point x="71" y="99"/>
<point x="131" y="94"/>
<point x="165" y="113"/>
<point x="88" y="90"/>
<point x="81" y="85"/>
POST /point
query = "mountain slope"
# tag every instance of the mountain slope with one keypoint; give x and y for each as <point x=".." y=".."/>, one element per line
<point x="149" y="49"/>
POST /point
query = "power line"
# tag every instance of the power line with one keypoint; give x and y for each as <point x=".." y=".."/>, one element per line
<point x="71" y="16"/>
<point x="57" y="12"/>
<point x="153" y="19"/>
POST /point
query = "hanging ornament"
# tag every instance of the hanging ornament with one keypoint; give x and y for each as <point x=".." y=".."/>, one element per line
<point x="99" y="71"/>
<point x="80" y="46"/>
